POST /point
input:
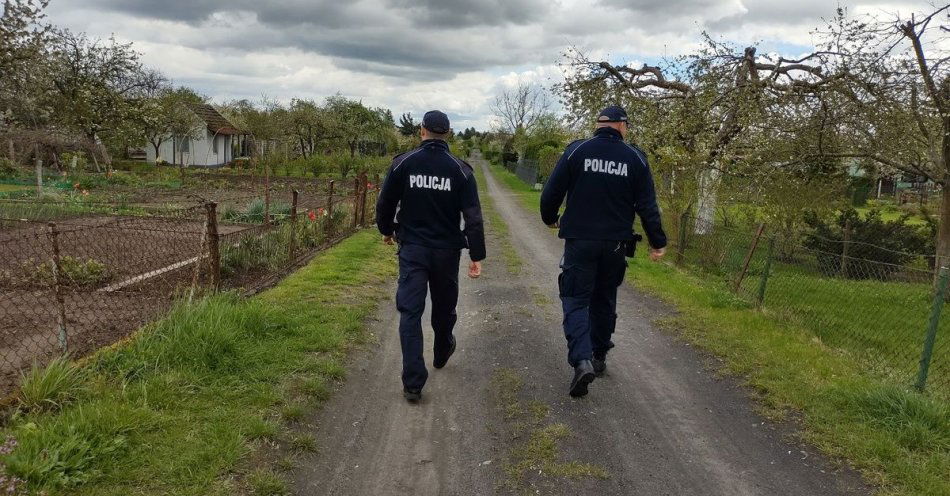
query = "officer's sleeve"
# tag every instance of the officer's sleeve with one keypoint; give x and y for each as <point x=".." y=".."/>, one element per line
<point x="647" y="208"/>
<point x="472" y="215"/>
<point x="555" y="189"/>
<point x="388" y="201"/>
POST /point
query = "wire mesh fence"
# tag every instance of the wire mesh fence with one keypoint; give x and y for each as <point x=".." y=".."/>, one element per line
<point x="78" y="276"/>
<point x="882" y="314"/>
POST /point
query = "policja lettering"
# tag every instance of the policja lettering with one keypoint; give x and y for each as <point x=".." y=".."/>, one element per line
<point x="430" y="182"/>
<point x="606" y="166"/>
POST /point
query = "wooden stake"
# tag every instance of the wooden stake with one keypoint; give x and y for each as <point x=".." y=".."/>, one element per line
<point x="748" y="257"/>
<point x="293" y="223"/>
<point x="213" y="246"/>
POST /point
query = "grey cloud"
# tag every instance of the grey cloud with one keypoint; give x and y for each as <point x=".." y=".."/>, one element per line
<point x="467" y="13"/>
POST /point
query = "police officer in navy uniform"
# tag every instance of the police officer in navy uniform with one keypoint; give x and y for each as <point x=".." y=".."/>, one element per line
<point x="607" y="183"/>
<point x="429" y="204"/>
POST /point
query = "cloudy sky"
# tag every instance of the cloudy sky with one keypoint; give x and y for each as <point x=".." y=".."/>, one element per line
<point x="414" y="55"/>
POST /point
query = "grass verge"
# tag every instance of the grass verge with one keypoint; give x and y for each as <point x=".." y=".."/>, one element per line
<point x="899" y="439"/>
<point x="197" y="404"/>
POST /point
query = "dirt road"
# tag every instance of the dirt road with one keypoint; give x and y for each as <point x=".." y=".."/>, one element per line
<point x="498" y="420"/>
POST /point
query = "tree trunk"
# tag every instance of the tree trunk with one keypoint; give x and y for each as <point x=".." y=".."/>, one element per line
<point x="706" y="206"/>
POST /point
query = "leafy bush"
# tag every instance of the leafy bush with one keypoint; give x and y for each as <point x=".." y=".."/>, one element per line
<point x="889" y="245"/>
<point x="547" y="159"/>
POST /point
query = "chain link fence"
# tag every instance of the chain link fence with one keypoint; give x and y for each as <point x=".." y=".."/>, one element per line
<point x="75" y="277"/>
<point x="890" y="317"/>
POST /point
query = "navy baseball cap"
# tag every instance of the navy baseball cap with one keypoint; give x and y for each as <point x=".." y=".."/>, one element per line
<point x="614" y="113"/>
<point x="436" y="121"/>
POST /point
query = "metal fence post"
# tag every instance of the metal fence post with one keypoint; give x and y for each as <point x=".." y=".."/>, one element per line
<point x="932" y="325"/>
<point x="57" y="289"/>
<point x="214" y="253"/>
<point x="38" y="163"/>
<point x="681" y="240"/>
<point x="293" y="223"/>
<point x="764" y="279"/>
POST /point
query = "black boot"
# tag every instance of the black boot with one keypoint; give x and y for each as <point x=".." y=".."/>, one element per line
<point x="583" y="375"/>
<point x="441" y="358"/>
<point x="600" y="363"/>
<point x="412" y="395"/>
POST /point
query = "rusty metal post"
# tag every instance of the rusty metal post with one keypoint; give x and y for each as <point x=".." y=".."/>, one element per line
<point x="365" y="187"/>
<point x="57" y="290"/>
<point x="293" y="223"/>
<point x="214" y="249"/>
<point x="330" y="199"/>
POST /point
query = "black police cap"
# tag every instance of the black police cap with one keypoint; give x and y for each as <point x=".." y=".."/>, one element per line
<point x="613" y="113"/>
<point x="436" y="121"/>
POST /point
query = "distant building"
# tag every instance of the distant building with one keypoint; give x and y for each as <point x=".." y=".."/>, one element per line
<point x="218" y="143"/>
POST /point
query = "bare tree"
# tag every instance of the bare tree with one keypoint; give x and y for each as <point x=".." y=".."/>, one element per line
<point x="521" y="107"/>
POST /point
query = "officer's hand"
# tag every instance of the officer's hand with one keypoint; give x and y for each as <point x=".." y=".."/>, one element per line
<point x="388" y="240"/>
<point x="474" y="270"/>
<point x="556" y="225"/>
<point x="657" y="253"/>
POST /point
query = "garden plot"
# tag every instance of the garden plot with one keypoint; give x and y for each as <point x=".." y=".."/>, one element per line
<point x="117" y="273"/>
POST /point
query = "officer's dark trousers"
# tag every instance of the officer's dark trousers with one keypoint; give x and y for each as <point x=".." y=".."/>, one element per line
<point x="591" y="272"/>
<point x="422" y="268"/>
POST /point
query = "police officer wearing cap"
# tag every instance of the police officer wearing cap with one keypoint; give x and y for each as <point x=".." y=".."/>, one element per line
<point x="607" y="183"/>
<point x="429" y="204"/>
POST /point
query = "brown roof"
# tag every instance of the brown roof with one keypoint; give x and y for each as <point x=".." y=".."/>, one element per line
<point x="215" y="121"/>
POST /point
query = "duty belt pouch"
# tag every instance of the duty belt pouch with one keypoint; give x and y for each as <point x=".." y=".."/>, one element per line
<point x="632" y="245"/>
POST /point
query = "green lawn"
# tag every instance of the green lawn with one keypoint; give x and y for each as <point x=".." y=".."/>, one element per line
<point x="200" y="403"/>
<point x="898" y="438"/>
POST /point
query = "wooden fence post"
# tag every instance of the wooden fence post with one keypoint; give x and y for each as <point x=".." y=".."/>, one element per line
<point x="748" y="257"/>
<point x="38" y="163"/>
<point x="330" y="199"/>
<point x="57" y="289"/>
<point x="845" y="248"/>
<point x="266" y="193"/>
<point x="293" y="223"/>
<point x="214" y="252"/>
<point x="365" y="186"/>
<point x="356" y="201"/>
<point x="764" y="279"/>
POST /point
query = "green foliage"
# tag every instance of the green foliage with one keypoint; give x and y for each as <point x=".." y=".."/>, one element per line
<point x="890" y="244"/>
<point x="267" y="483"/>
<point x="73" y="272"/>
<point x="547" y="159"/>
<point x="8" y="169"/>
<point x="254" y="212"/>
<point x="49" y="388"/>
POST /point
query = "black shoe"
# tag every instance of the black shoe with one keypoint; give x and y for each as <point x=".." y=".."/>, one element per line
<point x="583" y="375"/>
<point x="442" y="358"/>
<point x="412" y="395"/>
<point x="599" y="362"/>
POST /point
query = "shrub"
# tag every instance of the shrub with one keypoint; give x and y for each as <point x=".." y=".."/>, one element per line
<point x="8" y="169"/>
<point x="51" y="387"/>
<point x="888" y="245"/>
<point x="547" y="158"/>
<point x="253" y="213"/>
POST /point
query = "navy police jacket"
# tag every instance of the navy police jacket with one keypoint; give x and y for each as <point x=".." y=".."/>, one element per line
<point x="426" y="196"/>
<point x="607" y="183"/>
